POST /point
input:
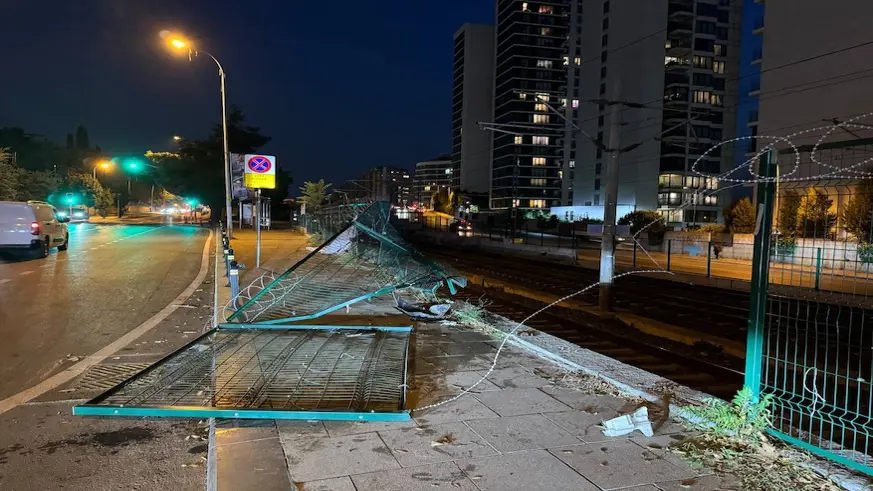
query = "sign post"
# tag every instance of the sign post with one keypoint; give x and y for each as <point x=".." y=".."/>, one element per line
<point x="260" y="173"/>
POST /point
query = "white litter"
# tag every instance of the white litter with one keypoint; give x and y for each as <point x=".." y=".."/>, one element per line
<point x="622" y="425"/>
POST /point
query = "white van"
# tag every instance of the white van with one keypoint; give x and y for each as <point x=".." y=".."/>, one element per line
<point x="32" y="228"/>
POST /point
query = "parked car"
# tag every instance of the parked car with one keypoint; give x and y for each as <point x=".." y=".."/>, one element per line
<point x="32" y="228"/>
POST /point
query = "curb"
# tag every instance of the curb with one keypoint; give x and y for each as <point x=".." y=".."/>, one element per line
<point x="648" y="326"/>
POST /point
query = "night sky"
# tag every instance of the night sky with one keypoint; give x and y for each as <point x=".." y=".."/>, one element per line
<point x="340" y="86"/>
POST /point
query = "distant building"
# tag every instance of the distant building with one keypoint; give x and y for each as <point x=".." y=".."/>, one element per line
<point x="380" y="184"/>
<point x="472" y="102"/>
<point x="430" y="177"/>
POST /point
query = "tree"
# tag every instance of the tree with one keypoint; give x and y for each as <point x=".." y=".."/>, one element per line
<point x="858" y="212"/>
<point x="70" y="143"/>
<point x="103" y="200"/>
<point x="313" y="194"/>
<point x="8" y="182"/>
<point x="651" y="221"/>
<point x="741" y="217"/>
<point x="789" y="207"/>
<point x="37" y="185"/>
<point x="197" y="170"/>
<point x="814" y="217"/>
<point x="82" y="142"/>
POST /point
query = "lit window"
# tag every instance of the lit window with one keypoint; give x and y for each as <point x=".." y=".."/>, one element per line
<point x="710" y="200"/>
<point x="702" y="62"/>
<point x="537" y="203"/>
<point x="542" y="96"/>
<point x="538" y="182"/>
<point x="546" y="31"/>
<point x="541" y="107"/>
<point x="522" y="95"/>
<point x="427" y="188"/>
<point x="718" y="66"/>
<point x="541" y="118"/>
<point x="716" y="100"/>
<point x="560" y="174"/>
<point x="575" y="103"/>
<point x="563" y="101"/>
<point x="448" y="171"/>
<point x="524" y="7"/>
<point x="519" y="139"/>
<point x="544" y="63"/>
<point x="572" y="164"/>
<point x="578" y="60"/>
<point x="566" y="60"/>
<point x="546" y="9"/>
<point x="539" y="161"/>
<point x="515" y="203"/>
<point x="540" y="140"/>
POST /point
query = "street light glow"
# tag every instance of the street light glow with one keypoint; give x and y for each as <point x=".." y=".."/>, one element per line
<point x="105" y="165"/>
<point x="177" y="138"/>
<point x="178" y="43"/>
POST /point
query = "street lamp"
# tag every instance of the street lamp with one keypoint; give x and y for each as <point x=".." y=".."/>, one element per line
<point x="179" y="43"/>
<point x="177" y="138"/>
<point x="103" y="164"/>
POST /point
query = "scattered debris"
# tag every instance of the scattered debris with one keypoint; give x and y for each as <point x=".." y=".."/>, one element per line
<point x="433" y="311"/>
<point x="760" y="466"/>
<point x="622" y="425"/>
<point x="446" y="439"/>
<point x="582" y="382"/>
<point x="73" y="358"/>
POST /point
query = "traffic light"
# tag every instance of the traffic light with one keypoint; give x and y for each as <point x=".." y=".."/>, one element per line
<point x="70" y="198"/>
<point x="192" y="202"/>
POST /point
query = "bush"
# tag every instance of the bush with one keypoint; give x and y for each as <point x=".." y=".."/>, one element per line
<point x="741" y="217"/>
<point x="865" y="253"/>
<point x="650" y="221"/>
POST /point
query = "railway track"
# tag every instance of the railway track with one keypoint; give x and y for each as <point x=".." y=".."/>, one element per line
<point x="654" y="355"/>
<point x="711" y="310"/>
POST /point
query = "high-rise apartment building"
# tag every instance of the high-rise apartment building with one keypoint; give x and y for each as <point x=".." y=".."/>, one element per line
<point x="537" y="54"/>
<point x="430" y="177"/>
<point x="472" y="102"/>
<point x="679" y="60"/>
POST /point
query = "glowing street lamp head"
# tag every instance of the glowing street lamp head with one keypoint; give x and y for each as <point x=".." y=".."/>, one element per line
<point x="105" y="165"/>
<point x="176" y="41"/>
<point x="177" y="138"/>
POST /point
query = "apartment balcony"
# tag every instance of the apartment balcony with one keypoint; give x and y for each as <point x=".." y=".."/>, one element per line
<point x="676" y="66"/>
<point x="753" y="119"/>
<point x="758" y="26"/>
<point x="678" y="46"/>
<point x="755" y="89"/>
<point x="680" y="9"/>
<point x="757" y="56"/>
<point x="676" y="29"/>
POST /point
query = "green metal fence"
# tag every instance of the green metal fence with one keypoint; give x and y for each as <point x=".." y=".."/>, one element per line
<point x="810" y="339"/>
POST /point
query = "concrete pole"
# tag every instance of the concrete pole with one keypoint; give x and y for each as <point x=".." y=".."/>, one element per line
<point x="227" y="196"/>
<point x="607" y="250"/>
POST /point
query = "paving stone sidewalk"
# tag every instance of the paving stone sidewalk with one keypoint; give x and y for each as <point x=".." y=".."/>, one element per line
<point x="517" y="430"/>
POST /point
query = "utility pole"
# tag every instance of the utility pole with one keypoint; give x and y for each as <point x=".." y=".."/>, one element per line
<point x="607" y="246"/>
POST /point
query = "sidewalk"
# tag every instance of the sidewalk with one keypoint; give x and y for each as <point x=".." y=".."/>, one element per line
<point x="529" y="426"/>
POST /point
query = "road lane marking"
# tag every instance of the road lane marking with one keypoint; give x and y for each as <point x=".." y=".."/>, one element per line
<point x="25" y="273"/>
<point x="3" y="282"/>
<point x="74" y="371"/>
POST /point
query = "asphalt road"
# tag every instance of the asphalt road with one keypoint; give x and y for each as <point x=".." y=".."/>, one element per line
<point x="71" y="304"/>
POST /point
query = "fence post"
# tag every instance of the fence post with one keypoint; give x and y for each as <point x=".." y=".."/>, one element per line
<point x="760" y="275"/>
<point x="709" y="259"/>
<point x="542" y="234"/>
<point x="669" y="247"/>
<point x="635" y="253"/>
<point x="818" y="269"/>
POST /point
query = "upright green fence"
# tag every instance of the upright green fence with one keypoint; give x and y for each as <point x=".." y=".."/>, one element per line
<point x="810" y="338"/>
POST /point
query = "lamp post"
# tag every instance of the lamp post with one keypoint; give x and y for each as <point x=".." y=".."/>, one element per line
<point x="180" y="43"/>
<point x="103" y="164"/>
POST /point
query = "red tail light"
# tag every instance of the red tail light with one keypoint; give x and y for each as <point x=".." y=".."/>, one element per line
<point x="34" y="228"/>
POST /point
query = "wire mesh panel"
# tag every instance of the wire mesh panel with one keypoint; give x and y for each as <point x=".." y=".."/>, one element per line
<point x="810" y="334"/>
<point x="817" y="364"/>
<point x="300" y="372"/>
<point x="366" y="258"/>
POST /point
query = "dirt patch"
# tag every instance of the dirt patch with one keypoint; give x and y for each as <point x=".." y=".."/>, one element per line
<point x="446" y="439"/>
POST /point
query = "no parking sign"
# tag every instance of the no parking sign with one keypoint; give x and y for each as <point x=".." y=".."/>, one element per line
<point x="260" y="171"/>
